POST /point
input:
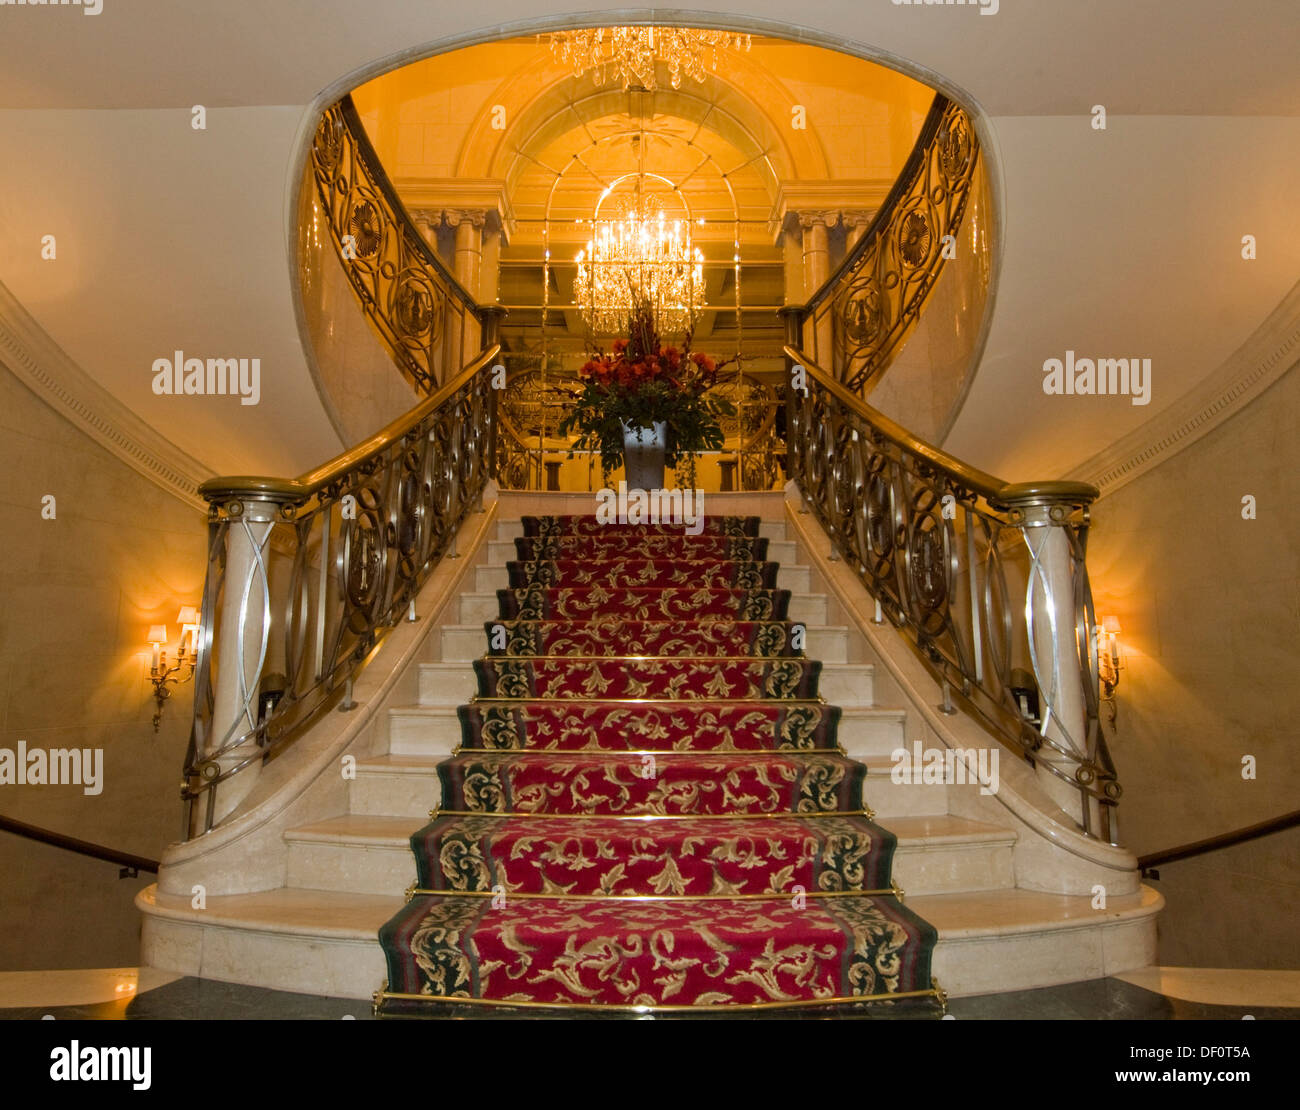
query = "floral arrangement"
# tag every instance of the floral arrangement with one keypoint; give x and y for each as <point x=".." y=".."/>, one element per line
<point x="640" y="383"/>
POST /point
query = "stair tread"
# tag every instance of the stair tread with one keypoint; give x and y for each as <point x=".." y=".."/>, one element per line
<point x="359" y="916"/>
<point x="293" y="910"/>
<point x="1015" y="910"/>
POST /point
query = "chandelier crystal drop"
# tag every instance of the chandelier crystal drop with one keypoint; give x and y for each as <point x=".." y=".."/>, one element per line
<point x="641" y="258"/>
<point x="628" y="54"/>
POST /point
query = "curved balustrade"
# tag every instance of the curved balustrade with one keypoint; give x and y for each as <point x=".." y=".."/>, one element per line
<point x="305" y="576"/>
<point x="857" y="321"/>
<point x="426" y="318"/>
<point x="939" y="545"/>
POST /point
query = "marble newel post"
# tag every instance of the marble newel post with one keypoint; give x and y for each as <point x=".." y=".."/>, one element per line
<point x="1057" y="666"/>
<point x="244" y="630"/>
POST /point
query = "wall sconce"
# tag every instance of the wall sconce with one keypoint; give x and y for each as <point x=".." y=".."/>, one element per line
<point x="1109" y="662"/>
<point x="164" y="677"/>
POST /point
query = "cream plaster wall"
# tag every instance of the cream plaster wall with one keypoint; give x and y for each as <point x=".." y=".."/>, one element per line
<point x="1210" y="608"/>
<point x="77" y="595"/>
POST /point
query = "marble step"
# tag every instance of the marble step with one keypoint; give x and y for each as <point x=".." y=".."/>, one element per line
<point x="368" y="854"/>
<point x="507" y="528"/>
<point x="324" y="942"/>
<point x="463" y="643"/>
<point x="289" y="939"/>
<point x="491" y="576"/>
<point x="500" y="552"/>
<point x="1007" y="940"/>
<point x="474" y="608"/>
<point x="407" y="786"/>
<point x="848" y="685"/>
<point x="434" y="730"/>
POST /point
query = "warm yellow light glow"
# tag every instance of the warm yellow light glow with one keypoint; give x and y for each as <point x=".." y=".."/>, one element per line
<point x="1111" y="625"/>
<point x="629" y="54"/>
<point x="157" y="634"/>
<point x="643" y="256"/>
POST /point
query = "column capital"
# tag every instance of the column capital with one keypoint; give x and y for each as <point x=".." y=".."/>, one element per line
<point x="454" y="217"/>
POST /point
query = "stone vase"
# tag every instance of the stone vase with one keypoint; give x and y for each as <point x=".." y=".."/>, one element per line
<point x="643" y="455"/>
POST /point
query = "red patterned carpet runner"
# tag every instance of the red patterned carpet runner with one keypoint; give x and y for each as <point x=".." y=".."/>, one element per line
<point x="649" y="808"/>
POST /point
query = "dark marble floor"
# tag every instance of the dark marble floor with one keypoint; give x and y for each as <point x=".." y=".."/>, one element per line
<point x="1096" y="1000"/>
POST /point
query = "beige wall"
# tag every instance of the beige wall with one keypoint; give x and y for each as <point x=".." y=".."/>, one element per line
<point x="77" y="595"/>
<point x="1210" y="607"/>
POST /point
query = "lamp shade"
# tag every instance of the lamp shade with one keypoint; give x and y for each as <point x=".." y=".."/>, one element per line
<point x="157" y="634"/>
<point x="1111" y="625"/>
<point x="188" y="615"/>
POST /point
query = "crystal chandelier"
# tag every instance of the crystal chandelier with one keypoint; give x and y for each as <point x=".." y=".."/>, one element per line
<point x="641" y="258"/>
<point x="629" y="53"/>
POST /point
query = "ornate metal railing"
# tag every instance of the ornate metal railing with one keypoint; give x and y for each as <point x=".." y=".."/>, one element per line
<point x="426" y="318"/>
<point x="857" y="321"/>
<point x="306" y="576"/>
<point x="939" y="545"/>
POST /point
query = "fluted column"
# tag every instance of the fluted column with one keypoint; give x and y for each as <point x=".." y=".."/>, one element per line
<point x="816" y="269"/>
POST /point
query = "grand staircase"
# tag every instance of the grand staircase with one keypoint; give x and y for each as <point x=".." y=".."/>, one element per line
<point x="347" y="856"/>
<point x="649" y="807"/>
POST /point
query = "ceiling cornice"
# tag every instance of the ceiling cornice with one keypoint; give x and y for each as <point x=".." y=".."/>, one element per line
<point x="48" y="371"/>
<point x="1269" y="353"/>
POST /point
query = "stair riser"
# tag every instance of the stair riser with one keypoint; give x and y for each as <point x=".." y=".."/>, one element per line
<point x="465" y="643"/>
<point x="507" y="529"/>
<point x="444" y="686"/>
<point x="413" y="795"/>
<point x="334" y="967"/>
<point x="492" y="576"/>
<point x="476" y="608"/>
<point x="500" y="552"/>
<point x="437" y="733"/>
<point x="1024" y="961"/>
<point x="406" y="795"/>
<point x="374" y="869"/>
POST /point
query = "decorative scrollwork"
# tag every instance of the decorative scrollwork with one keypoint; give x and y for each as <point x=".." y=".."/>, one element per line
<point x="424" y="316"/>
<point x="932" y="544"/>
<point x="871" y="303"/>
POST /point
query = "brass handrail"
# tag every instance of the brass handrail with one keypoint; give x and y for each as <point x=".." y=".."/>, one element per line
<point x="1223" y="840"/>
<point x="305" y="486"/>
<point x="125" y="860"/>
<point x="996" y="490"/>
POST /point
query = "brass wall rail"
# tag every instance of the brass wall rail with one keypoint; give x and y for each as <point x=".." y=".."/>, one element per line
<point x="934" y="541"/>
<point x="129" y="864"/>
<point x="426" y="318"/>
<point x="857" y="321"/>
